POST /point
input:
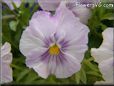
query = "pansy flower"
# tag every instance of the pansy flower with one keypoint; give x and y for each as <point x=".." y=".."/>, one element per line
<point x="54" y="44"/>
<point x="104" y="56"/>
<point x="10" y="3"/>
<point x="78" y="7"/>
<point x="5" y="61"/>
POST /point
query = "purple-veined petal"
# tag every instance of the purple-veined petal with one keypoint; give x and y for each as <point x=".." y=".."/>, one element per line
<point x="68" y="67"/>
<point x="38" y="60"/>
<point x="78" y="46"/>
<point x="73" y="29"/>
<point x="35" y="57"/>
<point x="60" y="35"/>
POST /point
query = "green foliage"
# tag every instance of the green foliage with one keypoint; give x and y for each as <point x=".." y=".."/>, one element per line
<point x="14" y="22"/>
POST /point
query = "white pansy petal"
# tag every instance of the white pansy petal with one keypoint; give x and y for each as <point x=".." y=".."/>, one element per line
<point x="106" y="49"/>
<point x="78" y="46"/>
<point x="30" y="41"/>
<point x="108" y="38"/>
<point x="5" y="49"/>
<point x="106" y="68"/>
<point x="44" y="22"/>
<point x="104" y="56"/>
<point x="5" y="61"/>
<point x="101" y="54"/>
<point x="77" y="51"/>
<point x="81" y="37"/>
<point x="42" y="69"/>
<point x="39" y="62"/>
<point x="35" y="56"/>
<point x="60" y="35"/>
<point x="67" y="67"/>
<point x="6" y="73"/>
<point x="69" y="23"/>
<point x="52" y="65"/>
<point x="7" y="58"/>
<point x="49" y="5"/>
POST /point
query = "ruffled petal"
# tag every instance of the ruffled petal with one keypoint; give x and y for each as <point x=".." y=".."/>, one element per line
<point x="35" y="57"/>
<point x="30" y="39"/>
<point x="38" y="60"/>
<point x="104" y="56"/>
<point x="77" y="51"/>
<point x="42" y="69"/>
<point x="106" y="68"/>
<point x="44" y="22"/>
<point x="5" y="49"/>
<point x="108" y="38"/>
<point x="106" y="49"/>
<point x="7" y="58"/>
<point x="67" y="21"/>
<point x="101" y="54"/>
<point x="5" y="73"/>
<point x="66" y="66"/>
<point x="5" y="61"/>
<point x="72" y="28"/>
<point x="78" y="46"/>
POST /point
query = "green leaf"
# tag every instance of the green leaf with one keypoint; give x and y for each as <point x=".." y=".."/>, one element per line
<point x="80" y="77"/>
<point x="22" y="74"/>
<point x="109" y="16"/>
<point x="13" y="25"/>
<point x="77" y="77"/>
<point x="83" y="76"/>
<point x="94" y="73"/>
<point x="91" y="66"/>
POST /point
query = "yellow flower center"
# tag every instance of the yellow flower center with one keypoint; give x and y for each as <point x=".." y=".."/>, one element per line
<point x="54" y="50"/>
